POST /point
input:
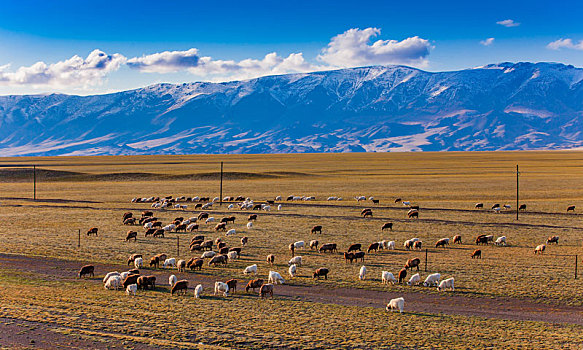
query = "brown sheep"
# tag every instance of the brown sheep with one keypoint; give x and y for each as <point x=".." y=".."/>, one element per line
<point x="197" y="238"/>
<point x="193" y="228"/>
<point x="292" y="249"/>
<point x="359" y="255"/>
<point x="157" y="224"/>
<point x="202" y="216"/>
<point x="232" y="283"/>
<point x="413" y="214"/>
<point x="226" y="220"/>
<point x="522" y="207"/>
<point x="402" y="275"/>
<point x="180" y="286"/>
<point x="553" y="239"/>
<point x="252" y="217"/>
<point x="328" y="247"/>
<point x="354" y="247"/>
<point x="348" y="257"/>
<point x="236" y="249"/>
<point x="158" y="233"/>
<point x="133" y="257"/>
<point x="147" y="213"/>
<point x="417" y="245"/>
<point x="195" y="247"/>
<point x="266" y="289"/>
<point x="367" y="214"/>
<point x="457" y="239"/>
<point x="571" y="208"/>
<point x="257" y="283"/>
<point x="127" y="215"/>
<point x="387" y="225"/>
<point x="144" y="282"/>
<point x="244" y="241"/>
<point x="224" y="250"/>
<point x="481" y="239"/>
<point x="442" y="242"/>
<point x="130" y="279"/>
<point x="218" y="259"/>
<point x="221" y="245"/>
<point x="207" y="245"/>
<point x="155" y="262"/>
<point x="375" y="201"/>
<point x="150" y="232"/>
<point x="181" y="227"/>
<point x="322" y="271"/>
<point x="270" y="259"/>
<point x="374" y="246"/>
<point x="314" y="244"/>
<point x="317" y="229"/>
<point x="129" y="221"/>
<point x="411" y="263"/>
<point x="477" y="254"/>
<point x="365" y="210"/>
<point x="87" y="270"/>
<point x="195" y="263"/>
<point x="130" y="235"/>
<point x="92" y="231"/>
<point x="222" y="226"/>
<point x="162" y="257"/>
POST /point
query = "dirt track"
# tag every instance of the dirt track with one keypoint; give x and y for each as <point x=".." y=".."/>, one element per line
<point x="416" y="302"/>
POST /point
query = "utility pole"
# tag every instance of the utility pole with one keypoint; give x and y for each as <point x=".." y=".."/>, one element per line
<point x="79" y="239"/>
<point x="517" y="192"/>
<point x="34" y="181"/>
<point x="221" y="190"/>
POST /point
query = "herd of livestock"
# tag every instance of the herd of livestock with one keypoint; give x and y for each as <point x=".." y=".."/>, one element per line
<point x="218" y="253"/>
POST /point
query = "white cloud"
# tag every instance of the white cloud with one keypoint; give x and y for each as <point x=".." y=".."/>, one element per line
<point x="565" y="43"/>
<point x="508" y="23"/>
<point x="165" y="62"/>
<point x="75" y="71"/>
<point x="487" y="42"/>
<point x="353" y="48"/>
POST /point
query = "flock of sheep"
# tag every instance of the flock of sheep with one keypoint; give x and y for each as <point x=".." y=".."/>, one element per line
<point x="131" y="280"/>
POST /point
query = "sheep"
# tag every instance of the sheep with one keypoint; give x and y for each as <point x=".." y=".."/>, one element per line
<point x="292" y="270"/>
<point x="244" y="241"/>
<point x="481" y="239"/>
<point x="442" y="242"/>
<point x="169" y="228"/>
<point x="275" y="278"/>
<point x="359" y="255"/>
<point x="113" y="282"/>
<point x="540" y="248"/>
<point x="448" y="283"/>
<point x="432" y="279"/>
<point x="232" y="255"/>
<point x="209" y="254"/>
<point x="139" y="263"/>
<point x="571" y="208"/>
<point x="411" y="263"/>
<point x="130" y="279"/>
<point x="131" y="234"/>
<point x="172" y="280"/>
<point x="331" y="247"/>
<point x="500" y="240"/>
<point x="194" y="264"/>
<point x="231" y="206"/>
<point x="180" y="286"/>
<point x="362" y="273"/>
<point x="417" y="245"/>
<point x="145" y="282"/>
<point x="250" y="269"/>
<point x="299" y="245"/>
<point x="354" y="247"/>
<point x="317" y="229"/>
<point x="522" y="207"/>
<point x="396" y="304"/>
<point x="322" y="271"/>
<point x="297" y="260"/>
<point x="414" y="280"/>
<point x="266" y="289"/>
<point x="124" y="274"/>
<point x="270" y="259"/>
<point x="479" y="206"/>
<point x="230" y="232"/>
<point x="254" y="284"/>
<point x="232" y="283"/>
<point x="92" y="231"/>
<point x="250" y="225"/>
<point x="391" y="245"/>
<point x="408" y="244"/>
<point x="218" y="259"/>
<point x="314" y="244"/>
<point x="279" y="207"/>
<point x="198" y="291"/>
<point x="373" y="246"/>
<point x="553" y="239"/>
<point x="477" y="254"/>
<point x="221" y="287"/>
<point x="181" y="264"/>
<point x="110" y="274"/>
<point x="87" y="270"/>
<point x="457" y="239"/>
<point x="348" y="257"/>
<point x="360" y="198"/>
<point x="402" y="275"/>
<point x="387" y="225"/>
<point x="132" y="289"/>
<point x="387" y="277"/>
<point x="209" y="220"/>
<point x="413" y="213"/>
<point x="278" y="198"/>
<point x="170" y="262"/>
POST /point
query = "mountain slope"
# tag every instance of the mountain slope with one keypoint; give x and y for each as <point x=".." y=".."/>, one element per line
<point x="393" y="108"/>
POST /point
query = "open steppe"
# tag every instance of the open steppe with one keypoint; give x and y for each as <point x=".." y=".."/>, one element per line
<point x="511" y="298"/>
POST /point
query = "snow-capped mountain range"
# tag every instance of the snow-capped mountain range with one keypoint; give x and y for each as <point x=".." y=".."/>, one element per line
<point x="505" y="106"/>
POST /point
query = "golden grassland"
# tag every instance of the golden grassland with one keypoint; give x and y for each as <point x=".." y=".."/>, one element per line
<point x="549" y="182"/>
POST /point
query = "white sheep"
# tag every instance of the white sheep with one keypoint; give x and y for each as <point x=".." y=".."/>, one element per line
<point x="231" y="206"/>
<point x="279" y="207"/>
<point x="172" y="280"/>
<point x="267" y="208"/>
<point x="208" y="254"/>
<point x="190" y="226"/>
<point x="231" y="232"/>
<point x="207" y="205"/>
<point x="360" y="198"/>
<point x="406" y="203"/>
<point x="448" y="283"/>
<point x="148" y="225"/>
<point x="275" y="278"/>
<point x="278" y="198"/>
<point x="169" y="228"/>
<point x="500" y="240"/>
<point x="221" y="287"/>
<point x="233" y="255"/>
<point x="250" y="225"/>
<point x="332" y="198"/>
<point x="391" y="245"/>
<point x="297" y="260"/>
<point x="396" y="304"/>
<point x="132" y="289"/>
<point x="339" y="199"/>
<point x="362" y="273"/>
<point x="170" y="262"/>
<point x="432" y="279"/>
<point x="216" y="199"/>
<point x="124" y="274"/>
<point x="139" y="263"/>
<point x="250" y="269"/>
<point x="109" y="274"/>
<point x="193" y="219"/>
<point x="292" y="270"/>
<point x="114" y="282"/>
<point x="299" y="245"/>
<point x="540" y="248"/>
<point x="198" y="291"/>
<point x="209" y="220"/>
<point x="387" y="277"/>
<point x="414" y="280"/>
<point x="181" y="264"/>
<point x="195" y="198"/>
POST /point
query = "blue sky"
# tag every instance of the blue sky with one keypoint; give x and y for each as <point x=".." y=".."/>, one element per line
<point x="90" y="47"/>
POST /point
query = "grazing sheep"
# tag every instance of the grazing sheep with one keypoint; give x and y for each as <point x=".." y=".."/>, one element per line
<point x="362" y="273"/>
<point x="232" y="283"/>
<point x="497" y="205"/>
<point x="373" y="246"/>
<point x="145" y="282"/>
<point x="209" y="220"/>
<point x="396" y="304"/>
<point x="279" y="207"/>
<point x="479" y="206"/>
<point x="442" y="242"/>
<point x="571" y="208"/>
<point x="170" y="262"/>
<point x="331" y="247"/>
<point x="411" y="263"/>
<point x="387" y="277"/>
<point x="408" y="244"/>
<point x="169" y="228"/>
<point x="457" y="239"/>
<point x="314" y="244"/>
<point x="417" y="245"/>
<point x="130" y="279"/>
<point x="522" y="207"/>
<point x="270" y="259"/>
<point x="266" y="289"/>
<point x="130" y="235"/>
<point x="172" y="280"/>
<point x="113" y="282"/>
<point x="387" y="225"/>
<point x="232" y="255"/>
<point x="180" y="286"/>
<point x="275" y="278"/>
<point x="92" y="231"/>
<point x="359" y="255"/>
<point x="481" y="239"/>
<point x="446" y="284"/>
<point x="553" y="239"/>
<point x="252" y="217"/>
<point x="391" y="245"/>
<point x="432" y="279"/>
<point x="477" y="254"/>
<point x="195" y="263"/>
<point x="192" y="227"/>
<point x="414" y="280"/>
<point x="87" y="270"/>
<point x="367" y="214"/>
<point x="402" y="275"/>
<point x="198" y="291"/>
<point x="221" y="226"/>
<point x="250" y="269"/>
<point x="139" y="263"/>
<point x="413" y="213"/>
<point x="348" y="257"/>
<point x="250" y="225"/>
<point x="209" y="254"/>
<point x="322" y="271"/>
<point x="540" y="248"/>
<point x="181" y="264"/>
<point x="295" y="260"/>
<point x="256" y="283"/>
<point x="292" y="270"/>
<point x="231" y="232"/>
<point x="132" y="289"/>
<point x="244" y="241"/>
<point x="354" y="247"/>
<point x="500" y="240"/>
<point x="292" y="249"/>
<point x="221" y="287"/>
<point x="317" y="229"/>
<point x="218" y="259"/>
<point x="110" y="274"/>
